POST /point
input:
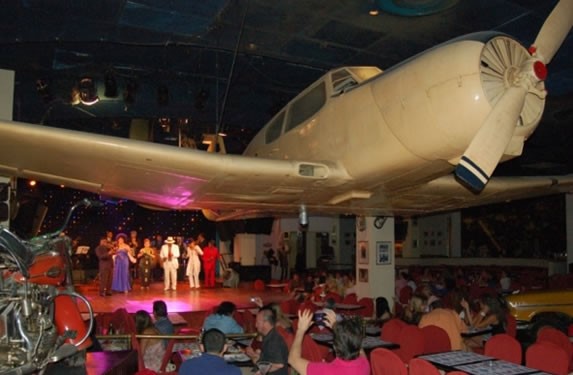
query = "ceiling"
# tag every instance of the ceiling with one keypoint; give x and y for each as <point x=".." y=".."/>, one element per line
<point x="231" y="64"/>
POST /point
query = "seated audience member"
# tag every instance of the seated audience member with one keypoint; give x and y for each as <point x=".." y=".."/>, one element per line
<point x="162" y="322"/>
<point x="450" y="321"/>
<point x="383" y="312"/>
<point x="282" y="320"/>
<point x="348" y="334"/>
<point x="223" y="319"/>
<point x="491" y="314"/>
<point x="273" y="348"/>
<point x="213" y="345"/>
<point x="505" y="282"/>
<point x="152" y="350"/>
<point x="415" y="309"/>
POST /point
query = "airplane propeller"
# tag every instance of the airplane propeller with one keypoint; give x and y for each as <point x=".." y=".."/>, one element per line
<point x="486" y="149"/>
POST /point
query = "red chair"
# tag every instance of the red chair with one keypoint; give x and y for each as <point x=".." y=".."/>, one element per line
<point x="411" y="341"/>
<point x="505" y="347"/>
<point x="547" y="356"/>
<point x="436" y="340"/>
<point x="557" y="337"/>
<point x="259" y="285"/>
<point x="367" y="310"/>
<point x="418" y="366"/>
<point x="350" y="299"/>
<point x="312" y="351"/>
<point x="386" y="362"/>
<point x="391" y="330"/>
<point x="289" y="306"/>
<point x="405" y="295"/>
<point x="307" y="305"/>
<point x="511" y="325"/>
<point x="287" y="336"/>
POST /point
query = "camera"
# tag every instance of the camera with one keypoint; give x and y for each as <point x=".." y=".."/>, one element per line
<point x="318" y="318"/>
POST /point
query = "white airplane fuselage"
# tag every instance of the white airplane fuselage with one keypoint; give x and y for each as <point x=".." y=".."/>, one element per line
<point x="411" y="122"/>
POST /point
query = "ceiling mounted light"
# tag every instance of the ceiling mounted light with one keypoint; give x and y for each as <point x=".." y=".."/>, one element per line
<point x="374" y="10"/>
<point x="88" y="91"/>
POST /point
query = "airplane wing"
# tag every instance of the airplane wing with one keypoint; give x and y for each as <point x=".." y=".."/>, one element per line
<point x="232" y="186"/>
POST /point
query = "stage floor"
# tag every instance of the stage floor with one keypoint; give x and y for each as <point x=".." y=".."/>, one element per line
<point x="182" y="300"/>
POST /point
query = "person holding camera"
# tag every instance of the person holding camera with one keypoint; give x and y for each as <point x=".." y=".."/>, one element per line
<point x="347" y="343"/>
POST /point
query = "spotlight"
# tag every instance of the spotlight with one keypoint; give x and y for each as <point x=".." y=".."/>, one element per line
<point x="110" y="84"/>
<point x="88" y="91"/>
<point x="374" y="9"/>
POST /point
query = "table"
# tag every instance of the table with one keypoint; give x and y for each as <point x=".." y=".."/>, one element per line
<point x="341" y="306"/>
<point x="472" y="332"/>
<point x="368" y="343"/>
<point x="373" y="330"/>
<point x="476" y="364"/>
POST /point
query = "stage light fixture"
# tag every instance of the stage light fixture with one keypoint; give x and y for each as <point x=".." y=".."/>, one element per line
<point x="88" y="91"/>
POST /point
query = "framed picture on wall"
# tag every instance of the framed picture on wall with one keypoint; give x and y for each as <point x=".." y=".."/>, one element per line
<point x="383" y="253"/>
<point x="363" y="252"/>
<point x="363" y="275"/>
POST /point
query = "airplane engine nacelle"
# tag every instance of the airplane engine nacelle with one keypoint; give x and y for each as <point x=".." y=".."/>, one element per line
<point x="467" y="77"/>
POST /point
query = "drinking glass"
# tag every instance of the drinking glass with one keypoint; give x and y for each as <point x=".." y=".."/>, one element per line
<point x="264" y="367"/>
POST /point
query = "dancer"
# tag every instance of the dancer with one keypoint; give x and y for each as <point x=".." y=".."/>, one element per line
<point x="193" y="263"/>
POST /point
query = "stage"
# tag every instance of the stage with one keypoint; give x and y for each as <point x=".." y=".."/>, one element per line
<point x="181" y="301"/>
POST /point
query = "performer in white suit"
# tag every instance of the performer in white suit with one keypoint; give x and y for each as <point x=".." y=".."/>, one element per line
<point x="169" y="254"/>
<point x="193" y="263"/>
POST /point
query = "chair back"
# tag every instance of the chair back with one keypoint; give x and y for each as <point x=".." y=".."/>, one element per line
<point x="503" y="346"/>
<point x="391" y="330"/>
<point x="405" y="294"/>
<point x="419" y="366"/>
<point x="548" y="357"/>
<point x="367" y="310"/>
<point x="558" y="338"/>
<point x="436" y="340"/>
<point x="350" y="299"/>
<point x="510" y="325"/>
<point x="312" y="351"/>
<point x="411" y="343"/>
<point x="386" y="362"/>
<point x="307" y="305"/>
<point x="259" y="285"/>
<point x="289" y="306"/>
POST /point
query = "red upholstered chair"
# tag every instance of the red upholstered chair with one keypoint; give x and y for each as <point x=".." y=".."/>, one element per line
<point x="405" y="295"/>
<point x="511" y="325"/>
<point x="367" y="310"/>
<point x="350" y="299"/>
<point x="259" y="285"/>
<point x="548" y="357"/>
<point x="307" y="305"/>
<point x="313" y="351"/>
<point x="503" y="346"/>
<point x="558" y="338"/>
<point x="287" y="336"/>
<point x="418" y="366"/>
<point x="436" y="340"/>
<point x="411" y="341"/>
<point x="391" y="330"/>
<point x="386" y="362"/>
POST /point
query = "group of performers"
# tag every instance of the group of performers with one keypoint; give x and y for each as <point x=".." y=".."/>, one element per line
<point x="116" y="254"/>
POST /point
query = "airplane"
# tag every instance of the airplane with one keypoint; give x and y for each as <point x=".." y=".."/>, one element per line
<point x="421" y="137"/>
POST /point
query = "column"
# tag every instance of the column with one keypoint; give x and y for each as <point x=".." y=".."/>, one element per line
<point x="375" y="257"/>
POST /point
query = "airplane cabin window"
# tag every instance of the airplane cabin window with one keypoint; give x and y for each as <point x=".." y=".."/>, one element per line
<point x="274" y="129"/>
<point x="306" y="106"/>
<point x="365" y="72"/>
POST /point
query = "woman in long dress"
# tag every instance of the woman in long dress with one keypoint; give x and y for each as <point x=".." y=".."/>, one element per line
<point x="146" y="263"/>
<point x="193" y="264"/>
<point x="120" y="281"/>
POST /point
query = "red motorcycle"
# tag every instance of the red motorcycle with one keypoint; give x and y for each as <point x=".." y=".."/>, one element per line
<point x="40" y="322"/>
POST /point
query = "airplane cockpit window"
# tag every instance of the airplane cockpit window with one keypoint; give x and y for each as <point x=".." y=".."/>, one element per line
<point x="342" y="80"/>
<point x="306" y="106"/>
<point x="364" y="73"/>
<point x="274" y="128"/>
